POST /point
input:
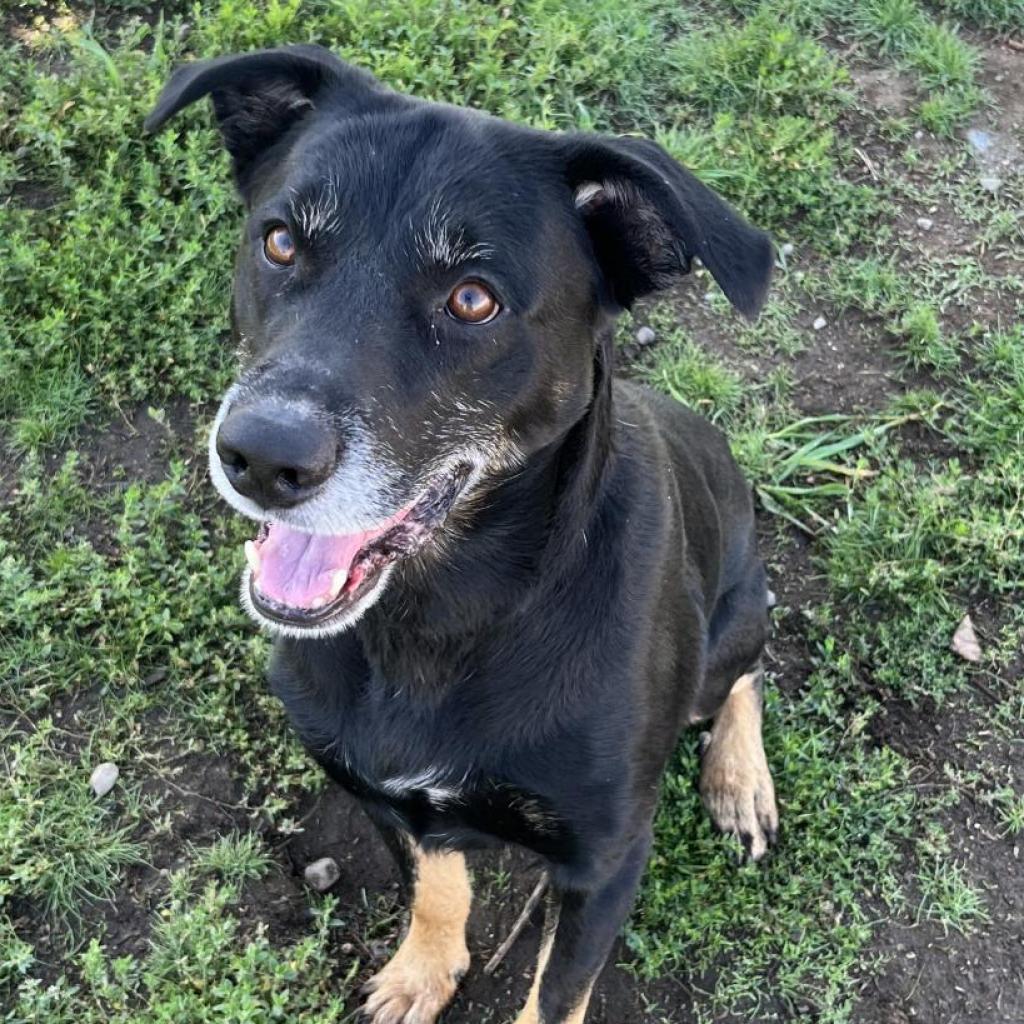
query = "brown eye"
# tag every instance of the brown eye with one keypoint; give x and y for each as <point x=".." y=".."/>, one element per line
<point x="279" y="247"/>
<point x="472" y="303"/>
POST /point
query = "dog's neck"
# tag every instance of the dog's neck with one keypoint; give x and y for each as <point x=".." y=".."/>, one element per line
<point x="528" y="526"/>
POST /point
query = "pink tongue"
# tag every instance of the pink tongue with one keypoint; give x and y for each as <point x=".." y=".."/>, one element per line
<point x="297" y="568"/>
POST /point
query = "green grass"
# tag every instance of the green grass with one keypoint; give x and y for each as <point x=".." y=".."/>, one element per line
<point x="120" y="634"/>
<point x="1001" y="15"/>
<point x="62" y="848"/>
<point x="203" y="966"/>
<point x="800" y="918"/>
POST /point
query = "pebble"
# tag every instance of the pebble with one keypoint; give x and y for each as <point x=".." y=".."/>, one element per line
<point x="925" y="223"/>
<point x="772" y="599"/>
<point x="965" y="641"/>
<point x="646" y="336"/>
<point x="103" y="778"/>
<point x="322" y="874"/>
<point x="980" y="141"/>
<point x="990" y="183"/>
<point x="820" y="323"/>
<point x="786" y="248"/>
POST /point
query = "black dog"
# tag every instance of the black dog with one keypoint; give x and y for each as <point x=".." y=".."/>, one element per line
<point x="503" y="581"/>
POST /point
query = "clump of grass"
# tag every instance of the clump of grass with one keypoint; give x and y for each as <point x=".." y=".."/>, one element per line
<point x="685" y="371"/>
<point x="889" y="26"/>
<point x="799" y="467"/>
<point x="1010" y="808"/>
<point x="947" y="896"/>
<point x="923" y="339"/>
<point x="234" y="858"/>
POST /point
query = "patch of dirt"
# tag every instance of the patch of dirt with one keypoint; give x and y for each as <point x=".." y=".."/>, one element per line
<point x="934" y="974"/>
<point x="847" y="366"/>
<point x="885" y="90"/>
<point x="1002" y="74"/>
<point x="137" y="449"/>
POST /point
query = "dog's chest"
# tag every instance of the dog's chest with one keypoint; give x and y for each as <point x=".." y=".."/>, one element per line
<point x="454" y="805"/>
<point x="453" y="766"/>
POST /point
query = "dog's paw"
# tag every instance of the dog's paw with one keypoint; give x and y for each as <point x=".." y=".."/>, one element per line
<point x="738" y="793"/>
<point x="415" y="985"/>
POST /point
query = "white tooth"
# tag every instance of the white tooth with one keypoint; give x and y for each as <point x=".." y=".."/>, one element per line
<point x="337" y="582"/>
<point x="252" y="556"/>
<point x="318" y="602"/>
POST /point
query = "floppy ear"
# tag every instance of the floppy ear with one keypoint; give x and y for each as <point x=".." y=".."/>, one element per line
<point x="258" y="97"/>
<point x="648" y="217"/>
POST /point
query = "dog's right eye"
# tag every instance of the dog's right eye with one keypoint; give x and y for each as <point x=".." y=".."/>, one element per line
<point x="278" y="246"/>
<point x="472" y="303"/>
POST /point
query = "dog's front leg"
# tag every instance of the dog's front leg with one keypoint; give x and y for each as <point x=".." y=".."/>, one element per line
<point x="420" y="979"/>
<point x="579" y="931"/>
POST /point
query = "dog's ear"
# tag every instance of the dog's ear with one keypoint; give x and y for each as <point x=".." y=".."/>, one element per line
<point x="648" y="216"/>
<point x="258" y="97"/>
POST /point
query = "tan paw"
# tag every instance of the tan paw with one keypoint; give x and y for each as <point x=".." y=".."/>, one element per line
<point x="737" y="789"/>
<point x="415" y="985"/>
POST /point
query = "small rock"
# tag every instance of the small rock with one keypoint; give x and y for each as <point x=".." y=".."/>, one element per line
<point x="820" y="323"/>
<point x="990" y="183"/>
<point x="925" y="223"/>
<point x="919" y="134"/>
<point x="965" y="641"/>
<point x="772" y="599"/>
<point x="103" y="778"/>
<point x="646" y="336"/>
<point x="981" y="142"/>
<point x="786" y="248"/>
<point x="322" y="874"/>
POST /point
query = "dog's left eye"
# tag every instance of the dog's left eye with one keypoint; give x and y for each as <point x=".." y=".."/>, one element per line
<point x="472" y="303"/>
<point x="278" y="246"/>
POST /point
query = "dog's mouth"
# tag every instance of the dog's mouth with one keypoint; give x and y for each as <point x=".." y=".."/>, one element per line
<point x="303" y="579"/>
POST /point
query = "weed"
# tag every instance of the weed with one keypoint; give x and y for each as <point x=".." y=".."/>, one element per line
<point x="923" y="339"/>
<point x="948" y="897"/>
<point x="233" y="858"/>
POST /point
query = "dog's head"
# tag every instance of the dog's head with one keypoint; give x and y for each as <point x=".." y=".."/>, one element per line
<point x="422" y="296"/>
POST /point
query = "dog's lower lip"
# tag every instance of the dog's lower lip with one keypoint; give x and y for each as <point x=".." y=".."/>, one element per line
<point x="292" y="616"/>
<point x="403" y="539"/>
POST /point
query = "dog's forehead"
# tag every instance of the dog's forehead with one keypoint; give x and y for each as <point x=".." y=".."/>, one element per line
<point x="434" y="174"/>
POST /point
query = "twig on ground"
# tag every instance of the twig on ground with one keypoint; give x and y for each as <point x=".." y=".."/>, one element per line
<point x="868" y="162"/>
<point x="531" y="904"/>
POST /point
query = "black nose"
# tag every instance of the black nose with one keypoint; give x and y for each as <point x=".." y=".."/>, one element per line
<point x="274" y="454"/>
